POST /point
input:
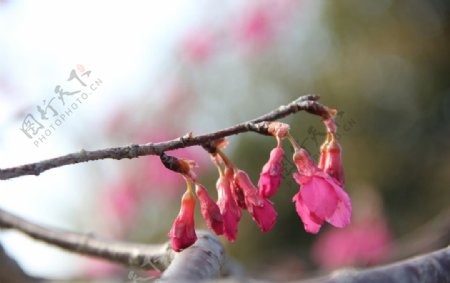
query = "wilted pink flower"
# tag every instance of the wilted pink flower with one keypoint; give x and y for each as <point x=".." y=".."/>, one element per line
<point x="228" y="208"/>
<point x="271" y="174"/>
<point x="183" y="230"/>
<point x="209" y="209"/>
<point x="365" y="243"/>
<point x="236" y="191"/>
<point x="320" y="198"/>
<point x="260" y="209"/>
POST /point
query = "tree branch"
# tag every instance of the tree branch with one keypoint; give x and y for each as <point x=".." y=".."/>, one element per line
<point x="202" y="260"/>
<point x="129" y="254"/>
<point x="207" y="251"/>
<point x="304" y="103"/>
<point x="429" y="268"/>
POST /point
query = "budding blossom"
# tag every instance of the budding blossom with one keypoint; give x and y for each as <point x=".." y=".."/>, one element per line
<point x="271" y="174"/>
<point x="183" y="231"/>
<point x="330" y="155"/>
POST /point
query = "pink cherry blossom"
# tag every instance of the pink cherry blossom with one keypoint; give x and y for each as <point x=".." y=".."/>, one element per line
<point x="321" y="198"/>
<point x="228" y="208"/>
<point x="120" y="201"/>
<point x="260" y="209"/>
<point x="256" y="28"/>
<point x="183" y="230"/>
<point x="365" y="243"/>
<point x="198" y="46"/>
<point x="271" y="174"/>
<point x="209" y="209"/>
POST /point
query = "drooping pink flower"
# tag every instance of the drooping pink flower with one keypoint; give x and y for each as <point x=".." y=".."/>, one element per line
<point x="260" y="209"/>
<point x="209" y="209"/>
<point x="228" y="208"/>
<point x="271" y="174"/>
<point x="321" y="198"/>
<point x="183" y="229"/>
<point x="236" y="191"/>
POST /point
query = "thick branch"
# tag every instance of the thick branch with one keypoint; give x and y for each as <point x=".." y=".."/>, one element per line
<point x="430" y="268"/>
<point x="129" y="254"/>
<point x="306" y="103"/>
<point x="207" y="252"/>
<point x="202" y="260"/>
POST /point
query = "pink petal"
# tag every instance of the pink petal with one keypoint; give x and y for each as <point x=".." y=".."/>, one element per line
<point x="320" y="197"/>
<point x="209" y="209"/>
<point x="265" y="216"/>
<point x="271" y="174"/>
<point x="312" y="224"/>
<point x="228" y="208"/>
<point x="342" y="215"/>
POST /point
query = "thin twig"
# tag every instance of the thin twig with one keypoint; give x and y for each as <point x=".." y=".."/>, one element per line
<point x="304" y="103"/>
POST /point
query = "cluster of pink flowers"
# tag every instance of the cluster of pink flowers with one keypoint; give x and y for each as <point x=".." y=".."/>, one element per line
<point x="321" y="197"/>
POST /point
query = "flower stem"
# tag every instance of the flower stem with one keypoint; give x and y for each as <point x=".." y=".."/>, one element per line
<point x="293" y="141"/>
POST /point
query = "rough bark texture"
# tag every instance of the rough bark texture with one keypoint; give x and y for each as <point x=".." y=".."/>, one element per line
<point x="429" y="268"/>
<point x="203" y="260"/>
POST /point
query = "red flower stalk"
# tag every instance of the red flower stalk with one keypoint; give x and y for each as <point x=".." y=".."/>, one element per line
<point x="228" y="208"/>
<point x="183" y="230"/>
<point x="259" y="208"/>
<point x="209" y="209"/>
<point x="321" y="198"/>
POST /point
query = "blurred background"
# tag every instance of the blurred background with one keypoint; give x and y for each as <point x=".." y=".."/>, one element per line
<point x="150" y="72"/>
